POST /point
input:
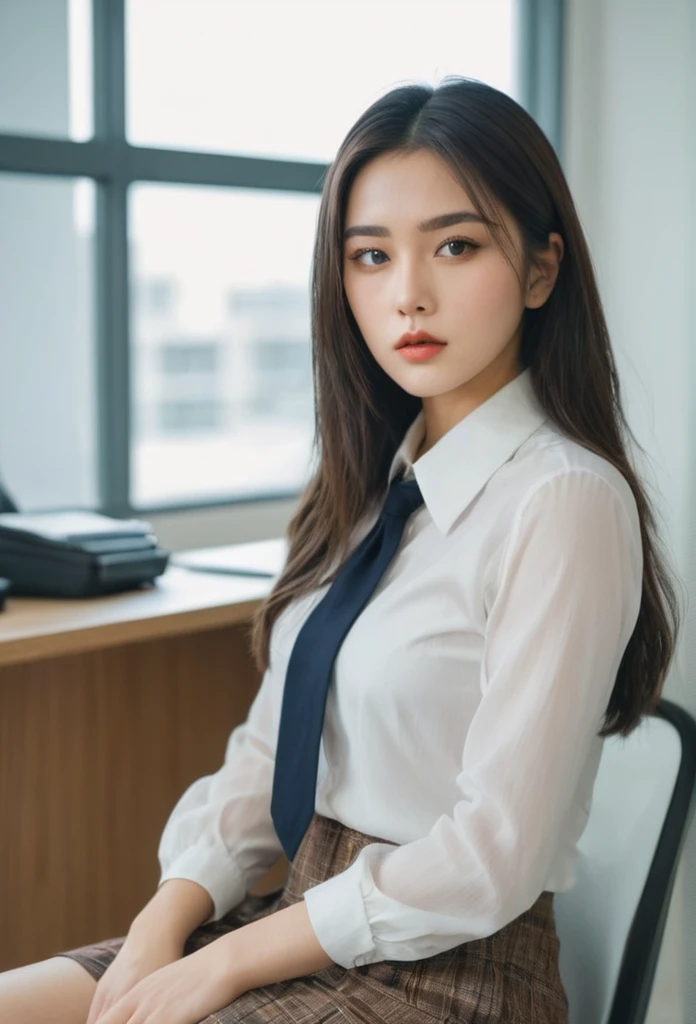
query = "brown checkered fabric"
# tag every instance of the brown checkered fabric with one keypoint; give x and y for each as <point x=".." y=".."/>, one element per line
<point x="511" y="977"/>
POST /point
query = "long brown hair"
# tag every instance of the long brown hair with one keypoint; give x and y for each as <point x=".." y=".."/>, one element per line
<point x="500" y="156"/>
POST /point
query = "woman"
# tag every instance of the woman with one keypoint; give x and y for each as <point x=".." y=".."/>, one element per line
<point x="461" y="356"/>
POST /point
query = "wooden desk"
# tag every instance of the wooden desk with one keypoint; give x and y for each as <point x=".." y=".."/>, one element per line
<point x="109" y="708"/>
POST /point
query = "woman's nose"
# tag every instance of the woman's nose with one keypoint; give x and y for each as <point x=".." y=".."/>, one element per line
<point x="414" y="292"/>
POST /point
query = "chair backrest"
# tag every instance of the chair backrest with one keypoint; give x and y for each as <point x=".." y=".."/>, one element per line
<point x="611" y="924"/>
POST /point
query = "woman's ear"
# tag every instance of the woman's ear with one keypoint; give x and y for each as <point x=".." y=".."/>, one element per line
<point x="544" y="271"/>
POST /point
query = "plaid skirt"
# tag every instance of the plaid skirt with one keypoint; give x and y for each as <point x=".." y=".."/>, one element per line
<point x="510" y="977"/>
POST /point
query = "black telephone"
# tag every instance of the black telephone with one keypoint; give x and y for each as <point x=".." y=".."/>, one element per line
<point x="74" y="553"/>
<point x="6" y="502"/>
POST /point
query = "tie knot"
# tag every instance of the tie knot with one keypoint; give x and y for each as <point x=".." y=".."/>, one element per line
<point x="403" y="498"/>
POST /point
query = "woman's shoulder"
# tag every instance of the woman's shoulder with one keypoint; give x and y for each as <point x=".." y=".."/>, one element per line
<point x="549" y="456"/>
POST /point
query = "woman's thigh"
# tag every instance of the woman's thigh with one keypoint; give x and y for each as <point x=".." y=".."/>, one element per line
<point x="58" y="990"/>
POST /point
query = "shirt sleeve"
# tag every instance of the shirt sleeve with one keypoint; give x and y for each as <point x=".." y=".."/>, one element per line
<point x="558" y="623"/>
<point x="220" y="833"/>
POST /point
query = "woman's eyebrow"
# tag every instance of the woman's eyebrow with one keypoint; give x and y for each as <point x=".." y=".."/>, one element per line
<point x="445" y="220"/>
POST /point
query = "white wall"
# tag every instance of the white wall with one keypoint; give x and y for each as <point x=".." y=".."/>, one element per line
<point x="630" y="157"/>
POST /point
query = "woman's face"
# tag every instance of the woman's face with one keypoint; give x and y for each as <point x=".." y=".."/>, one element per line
<point x="447" y="278"/>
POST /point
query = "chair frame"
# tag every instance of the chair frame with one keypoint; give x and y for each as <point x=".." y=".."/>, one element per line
<point x="639" y="962"/>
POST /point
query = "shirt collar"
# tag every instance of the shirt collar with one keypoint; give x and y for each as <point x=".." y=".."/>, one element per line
<point x="455" y="469"/>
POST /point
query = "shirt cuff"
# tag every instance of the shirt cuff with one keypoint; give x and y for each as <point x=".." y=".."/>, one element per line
<point x="213" y="868"/>
<point x="339" y="918"/>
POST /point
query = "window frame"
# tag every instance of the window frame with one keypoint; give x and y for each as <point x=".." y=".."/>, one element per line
<point x="114" y="165"/>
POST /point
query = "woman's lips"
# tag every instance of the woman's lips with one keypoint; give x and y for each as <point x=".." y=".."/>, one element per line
<point x="420" y="351"/>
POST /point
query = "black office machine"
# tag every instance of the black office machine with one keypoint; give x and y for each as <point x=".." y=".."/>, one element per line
<point x="76" y="554"/>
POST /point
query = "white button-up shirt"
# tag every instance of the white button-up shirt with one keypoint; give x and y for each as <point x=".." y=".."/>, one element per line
<point x="462" y="717"/>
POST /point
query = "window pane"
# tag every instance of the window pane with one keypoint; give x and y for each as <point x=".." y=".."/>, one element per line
<point x="46" y="68"/>
<point x="266" y="77"/>
<point x="222" y="387"/>
<point x="47" y="375"/>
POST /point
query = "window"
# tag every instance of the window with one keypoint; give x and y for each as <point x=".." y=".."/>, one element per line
<point x="189" y="416"/>
<point x="209" y="411"/>
<point x="45" y="68"/>
<point x="160" y="167"/>
<point x="47" y="359"/>
<point x="187" y="396"/>
<point x="153" y="296"/>
<point x="188" y="60"/>
<point x="184" y="358"/>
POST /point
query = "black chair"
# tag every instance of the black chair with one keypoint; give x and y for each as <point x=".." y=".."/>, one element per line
<point x="612" y="922"/>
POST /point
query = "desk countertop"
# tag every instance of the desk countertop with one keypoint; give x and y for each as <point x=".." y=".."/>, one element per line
<point x="180" y="601"/>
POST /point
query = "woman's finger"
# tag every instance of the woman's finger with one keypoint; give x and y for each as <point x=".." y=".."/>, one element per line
<point x="119" y="1013"/>
<point x="96" y="1008"/>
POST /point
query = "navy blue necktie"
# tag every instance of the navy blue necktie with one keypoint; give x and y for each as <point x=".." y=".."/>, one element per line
<point x="311" y="661"/>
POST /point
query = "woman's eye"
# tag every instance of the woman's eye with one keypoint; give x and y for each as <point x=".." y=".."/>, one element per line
<point x="376" y="257"/>
<point x="456" y="247"/>
<point x="359" y="257"/>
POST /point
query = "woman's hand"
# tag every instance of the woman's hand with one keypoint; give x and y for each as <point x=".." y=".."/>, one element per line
<point x="182" y="992"/>
<point x="134" y="962"/>
<point x="156" y="938"/>
<point x="271" y="949"/>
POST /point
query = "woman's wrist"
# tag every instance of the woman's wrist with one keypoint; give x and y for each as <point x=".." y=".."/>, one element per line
<point x="274" y="948"/>
<point x="177" y="908"/>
